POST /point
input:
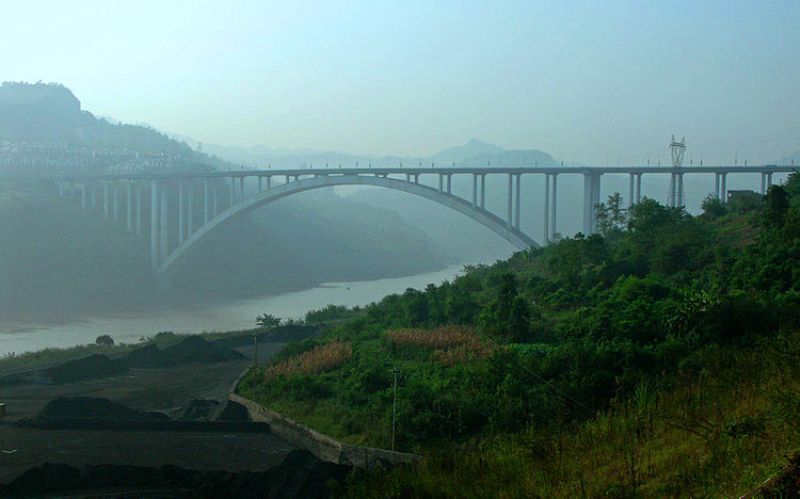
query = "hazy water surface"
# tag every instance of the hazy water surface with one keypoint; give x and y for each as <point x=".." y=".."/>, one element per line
<point x="238" y="314"/>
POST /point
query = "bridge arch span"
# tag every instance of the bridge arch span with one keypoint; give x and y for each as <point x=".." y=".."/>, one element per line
<point x="486" y="218"/>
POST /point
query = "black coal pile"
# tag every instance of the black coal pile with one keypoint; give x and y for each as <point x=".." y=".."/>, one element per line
<point x="149" y="356"/>
<point x="95" y="412"/>
<point x="91" y="367"/>
<point x="200" y="410"/>
<point x="300" y="475"/>
<point x="233" y="412"/>
<point x="192" y="349"/>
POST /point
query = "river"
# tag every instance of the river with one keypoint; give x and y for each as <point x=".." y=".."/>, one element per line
<point x="227" y="316"/>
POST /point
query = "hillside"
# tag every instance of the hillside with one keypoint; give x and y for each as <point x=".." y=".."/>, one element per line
<point x="652" y="359"/>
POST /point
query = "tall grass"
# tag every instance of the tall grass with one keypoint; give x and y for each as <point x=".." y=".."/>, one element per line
<point x="319" y="359"/>
<point x="451" y="344"/>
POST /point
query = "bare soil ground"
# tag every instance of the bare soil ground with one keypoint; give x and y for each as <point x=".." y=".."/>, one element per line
<point x="168" y="390"/>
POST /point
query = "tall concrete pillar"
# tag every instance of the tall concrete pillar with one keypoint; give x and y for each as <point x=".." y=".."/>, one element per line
<point x="93" y="194"/>
<point x="638" y="188"/>
<point x="449" y="183"/>
<point x="769" y="180"/>
<point x="269" y="182"/>
<point x="205" y="200"/>
<point x="115" y="197"/>
<point x="233" y="191"/>
<point x="672" y="186"/>
<point x="553" y="205"/>
<point x="155" y="197"/>
<point x="763" y="183"/>
<point x="190" y="209"/>
<point x="287" y="179"/>
<point x="546" y="238"/>
<point x="716" y="186"/>
<point x="474" y="190"/>
<point x="509" y="220"/>
<point x="138" y="188"/>
<point x="129" y="203"/>
<point x="180" y="211"/>
<point x="416" y="178"/>
<point x="591" y="198"/>
<point x="681" y="200"/>
<point x="724" y="188"/>
<point x="631" y="182"/>
<point x="84" y="195"/>
<point x="259" y="183"/>
<point x="105" y="198"/>
<point x="241" y="189"/>
<point x="483" y="190"/>
<point x="441" y="181"/>
<point x="517" y="198"/>
<point x="164" y="232"/>
<point x="408" y="177"/>
<point x="214" y="192"/>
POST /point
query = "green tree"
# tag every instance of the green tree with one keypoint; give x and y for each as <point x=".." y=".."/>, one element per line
<point x="268" y="321"/>
<point x="507" y="317"/>
<point x="777" y="206"/>
<point x="611" y="216"/>
<point x="713" y="207"/>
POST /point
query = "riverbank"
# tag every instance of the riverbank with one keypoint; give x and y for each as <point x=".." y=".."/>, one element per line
<point x="231" y="315"/>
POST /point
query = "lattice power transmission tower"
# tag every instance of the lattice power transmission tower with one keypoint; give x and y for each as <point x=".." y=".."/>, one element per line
<point x="676" y="149"/>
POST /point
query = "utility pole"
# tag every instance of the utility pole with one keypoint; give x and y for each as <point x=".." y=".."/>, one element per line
<point x="394" y="407"/>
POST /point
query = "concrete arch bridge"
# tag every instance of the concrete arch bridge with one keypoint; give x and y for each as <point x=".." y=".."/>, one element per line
<point x="223" y="197"/>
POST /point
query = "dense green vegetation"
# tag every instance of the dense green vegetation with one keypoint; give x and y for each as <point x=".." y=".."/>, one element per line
<point x="514" y="362"/>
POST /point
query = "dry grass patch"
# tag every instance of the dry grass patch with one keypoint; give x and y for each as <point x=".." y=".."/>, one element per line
<point x="320" y="359"/>
<point x="451" y="344"/>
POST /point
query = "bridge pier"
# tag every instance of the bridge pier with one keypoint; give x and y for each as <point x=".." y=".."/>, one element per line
<point x="449" y="183"/>
<point x="180" y="211"/>
<point x="269" y="182"/>
<point x="129" y="206"/>
<point x="631" y="182"/>
<point x="259" y="183"/>
<point x="441" y="181"/>
<point x="638" y="188"/>
<point x="215" y="204"/>
<point x="517" y="198"/>
<point x="164" y="234"/>
<point x="546" y="237"/>
<point x="105" y="198"/>
<point x="474" y="190"/>
<point x="93" y="194"/>
<point x="553" y="205"/>
<point x="681" y="200"/>
<point x="724" y="187"/>
<point x="483" y="190"/>
<point x="591" y="198"/>
<point x="510" y="199"/>
<point x="205" y="200"/>
<point x="84" y="195"/>
<point x="769" y="180"/>
<point x="763" y="183"/>
<point x="241" y="189"/>
<point x="138" y="188"/>
<point x="191" y="209"/>
<point x="115" y="197"/>
<point x="154" y="219"/>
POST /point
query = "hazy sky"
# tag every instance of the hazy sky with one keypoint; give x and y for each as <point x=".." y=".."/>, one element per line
<point x="594" y="81"/>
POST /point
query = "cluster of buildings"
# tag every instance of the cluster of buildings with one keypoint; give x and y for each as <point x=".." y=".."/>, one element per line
<point x="73" y="157"/>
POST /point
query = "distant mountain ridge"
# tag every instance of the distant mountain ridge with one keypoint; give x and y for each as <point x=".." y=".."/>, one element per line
<point x="473" y="153"/>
